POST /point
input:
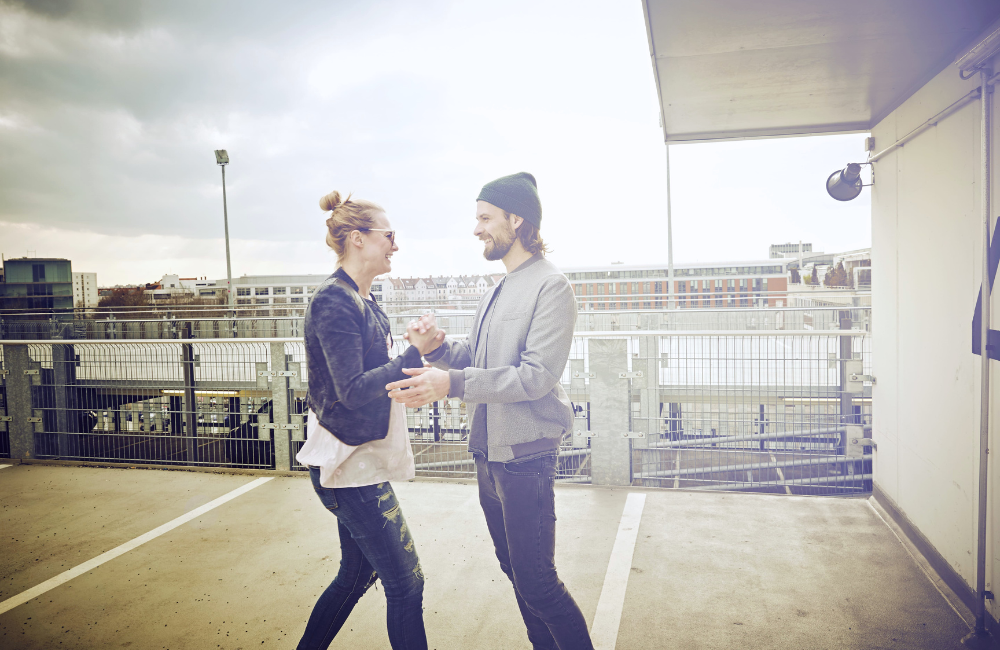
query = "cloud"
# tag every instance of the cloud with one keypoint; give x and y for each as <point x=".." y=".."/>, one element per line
<point x="109" y="113"/>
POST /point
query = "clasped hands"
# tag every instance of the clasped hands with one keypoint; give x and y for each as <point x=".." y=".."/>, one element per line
<point x="426" y="384"/>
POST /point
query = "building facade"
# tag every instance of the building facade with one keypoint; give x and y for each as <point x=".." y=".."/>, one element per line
<point x="779" y="251"/>
<point x="37" y="283"/>
<point x="727" y="284"/>
<point x="85" y="290"/>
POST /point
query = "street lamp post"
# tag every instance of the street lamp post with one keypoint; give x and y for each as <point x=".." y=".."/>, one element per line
<point x="222" y="159"/>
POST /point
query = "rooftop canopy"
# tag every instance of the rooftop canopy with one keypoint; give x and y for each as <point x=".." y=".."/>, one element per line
<point x="732" y="69"/>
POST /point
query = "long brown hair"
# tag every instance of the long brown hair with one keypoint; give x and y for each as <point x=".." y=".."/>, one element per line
<point x="529" y="236"/>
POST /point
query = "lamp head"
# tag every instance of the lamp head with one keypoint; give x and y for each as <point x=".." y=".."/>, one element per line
<point x="979" y="55"/>
<point x="845" y="184"/>
<point x="221" y="157"/>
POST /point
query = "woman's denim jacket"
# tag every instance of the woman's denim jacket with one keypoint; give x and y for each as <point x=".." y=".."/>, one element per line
<point x="348" y="361"/>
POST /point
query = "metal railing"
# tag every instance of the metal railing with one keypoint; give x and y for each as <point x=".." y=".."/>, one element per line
<point x="455" y="322"/>
<point x="763" y="410"/>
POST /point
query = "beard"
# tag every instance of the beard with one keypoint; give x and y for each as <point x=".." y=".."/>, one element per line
<point x="501" y="244"/>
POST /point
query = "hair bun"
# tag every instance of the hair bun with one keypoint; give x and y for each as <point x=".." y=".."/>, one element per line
<point x="331" y="201"/>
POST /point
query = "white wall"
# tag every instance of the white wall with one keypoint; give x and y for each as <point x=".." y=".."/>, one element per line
<point x="926" y="262"/>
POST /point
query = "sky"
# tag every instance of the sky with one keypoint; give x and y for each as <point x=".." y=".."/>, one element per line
<point x="110" y="111"/>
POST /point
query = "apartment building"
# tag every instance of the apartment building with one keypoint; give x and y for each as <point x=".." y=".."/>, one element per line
<point x="760" y="283"/>
<point x="85" y="290"/>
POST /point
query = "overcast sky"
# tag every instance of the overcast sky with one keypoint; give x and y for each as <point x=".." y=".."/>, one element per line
<point x="110" y="111"/>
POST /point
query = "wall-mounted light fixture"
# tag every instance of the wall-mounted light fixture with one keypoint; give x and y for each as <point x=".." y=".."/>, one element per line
<point x="979" y="55"/>
<point x="846" y="184"/>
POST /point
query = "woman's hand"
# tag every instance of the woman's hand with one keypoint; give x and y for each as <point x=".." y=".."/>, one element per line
<point x="424" y="334"/>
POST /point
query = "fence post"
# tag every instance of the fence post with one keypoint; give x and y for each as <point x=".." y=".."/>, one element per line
<point x="190" y="402"/>
<point x="279" y="402"/>
<point x="578" y="397"/>
<point x="649" y="395"/>
<point x="610" y="450"/>
<point x="67" y="410"/>
<point x="845" y="354"/>
<point x="21" y="432"/>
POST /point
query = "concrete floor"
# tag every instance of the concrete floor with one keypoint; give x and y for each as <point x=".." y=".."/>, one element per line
<point x="710" y="570"/>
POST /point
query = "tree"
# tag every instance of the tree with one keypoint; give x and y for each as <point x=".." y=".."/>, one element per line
<point x="795" y="276"/>
<point x="125" y="297"/>
<point x="837" y="277"/>
<point x="813" y="278"/>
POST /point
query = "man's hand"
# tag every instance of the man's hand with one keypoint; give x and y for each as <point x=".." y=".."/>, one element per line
<point x="424" y="334"/>
<point x="424" y="386"/>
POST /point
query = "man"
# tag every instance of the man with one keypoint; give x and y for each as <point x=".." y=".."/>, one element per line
<point x="508" y="371"/>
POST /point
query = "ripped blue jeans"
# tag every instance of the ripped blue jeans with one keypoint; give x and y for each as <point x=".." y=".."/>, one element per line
<point x="375" y="543"/>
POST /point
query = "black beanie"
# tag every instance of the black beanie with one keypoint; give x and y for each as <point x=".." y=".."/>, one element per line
<point x="517" y="194"/>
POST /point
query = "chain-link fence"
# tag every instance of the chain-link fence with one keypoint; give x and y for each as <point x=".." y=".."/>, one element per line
<point x="771" y="410"/>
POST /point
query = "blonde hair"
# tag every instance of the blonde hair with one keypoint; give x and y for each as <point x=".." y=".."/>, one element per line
<point x="346" y="216"/>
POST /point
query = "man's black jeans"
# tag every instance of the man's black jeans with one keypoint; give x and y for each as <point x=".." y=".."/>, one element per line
<point x="518" y="500"/>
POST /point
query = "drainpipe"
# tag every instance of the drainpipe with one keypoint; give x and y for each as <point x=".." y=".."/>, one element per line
<point x="984" y="356"/>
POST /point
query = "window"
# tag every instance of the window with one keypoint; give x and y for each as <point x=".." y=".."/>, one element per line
<point x="243" y="291"/>
<point x="280" y="301"/>
<point x="262" y="291"/>
<point x="296" y="299"/>
<point x="312" y="288"/>
<point x="261" y="301"/>
<point x="600" y="289"/>
<point x="659" y="287"/>
<point x="635" y="287"/>
<point x="38" y="273"/>
<point x="242" y="301"/>
<point x="296" y="290"/>
<point x="279" y="291"/>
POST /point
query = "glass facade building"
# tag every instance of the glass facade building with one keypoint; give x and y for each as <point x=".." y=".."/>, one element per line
<point x="37" y="283"/>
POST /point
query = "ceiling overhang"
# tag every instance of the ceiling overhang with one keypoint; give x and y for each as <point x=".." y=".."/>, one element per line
<point x="737" y="69"/>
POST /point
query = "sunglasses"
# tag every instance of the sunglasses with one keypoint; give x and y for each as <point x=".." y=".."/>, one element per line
<point x="390" y="234"/>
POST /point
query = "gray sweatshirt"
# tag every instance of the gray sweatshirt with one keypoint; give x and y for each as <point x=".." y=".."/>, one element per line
<point x="508" y="369"/>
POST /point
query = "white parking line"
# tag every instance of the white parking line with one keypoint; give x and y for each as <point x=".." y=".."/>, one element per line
<point x="604" y="631"/>
<point x="2" y="466"/>
<point x="89" y="565"/>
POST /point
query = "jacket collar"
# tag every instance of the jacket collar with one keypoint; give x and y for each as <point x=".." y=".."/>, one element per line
<point x="537" y="257"/>
<point x="342" y="274"/>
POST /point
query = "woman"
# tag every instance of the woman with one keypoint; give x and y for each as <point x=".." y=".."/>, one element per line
<point x="357" y="435"/>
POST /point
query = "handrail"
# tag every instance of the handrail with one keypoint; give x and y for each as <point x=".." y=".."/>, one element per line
<point x="588" y="335"/>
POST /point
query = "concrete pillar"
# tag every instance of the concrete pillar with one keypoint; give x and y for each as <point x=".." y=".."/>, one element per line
<point x="611" y="451"/>
<point x="279" y="402"/>
<point x="20" y="431"/>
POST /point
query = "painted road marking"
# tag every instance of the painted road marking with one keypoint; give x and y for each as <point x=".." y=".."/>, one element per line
<point x="604" y="631"/>
<point x="2" y="466"/>
<point x="90" y="565"/>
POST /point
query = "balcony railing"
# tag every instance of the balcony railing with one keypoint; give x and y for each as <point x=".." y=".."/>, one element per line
<point x="778" y="410"/>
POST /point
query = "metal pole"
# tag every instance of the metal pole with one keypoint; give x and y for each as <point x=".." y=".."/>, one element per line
<point x="225" y="220"/>
<point x="671" y="295"/>
<point x="984" y="359"/>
